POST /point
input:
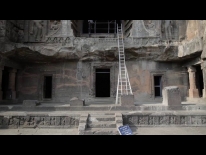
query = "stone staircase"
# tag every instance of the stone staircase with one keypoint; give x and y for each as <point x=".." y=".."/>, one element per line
<point x="102" y="124"/>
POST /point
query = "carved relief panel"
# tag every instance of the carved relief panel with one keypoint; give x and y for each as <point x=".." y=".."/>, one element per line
<point x="35" y="30"/>
<point x="54" y="27"/>
<point x="146" y="28"/>
<point x="152" y="27"/>
<point x="169" y="29"/>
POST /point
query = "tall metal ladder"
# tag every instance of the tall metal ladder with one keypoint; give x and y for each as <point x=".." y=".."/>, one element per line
<point x="123" y="85"/>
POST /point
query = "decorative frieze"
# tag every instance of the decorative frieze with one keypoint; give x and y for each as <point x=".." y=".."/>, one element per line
<point x="39" y="121"/>
<point x="149" y="41"/>
<point x="166" y="120"/>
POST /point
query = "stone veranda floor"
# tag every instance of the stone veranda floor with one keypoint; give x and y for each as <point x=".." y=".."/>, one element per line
<point x="136" y="131"/>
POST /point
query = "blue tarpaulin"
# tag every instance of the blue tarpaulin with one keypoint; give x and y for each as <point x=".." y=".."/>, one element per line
<point x="125" y="130"/>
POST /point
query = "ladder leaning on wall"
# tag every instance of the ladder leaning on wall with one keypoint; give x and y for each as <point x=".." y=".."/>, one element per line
<point x="123" y="85"/>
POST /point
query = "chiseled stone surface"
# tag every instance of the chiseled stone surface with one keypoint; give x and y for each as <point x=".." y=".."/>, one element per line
<point x="127" y="100"/>
<point x="171" y="96"/>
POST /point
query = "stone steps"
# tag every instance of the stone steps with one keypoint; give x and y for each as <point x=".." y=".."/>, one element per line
<point x="100" y="131"/>
<point x="102" y="124"/>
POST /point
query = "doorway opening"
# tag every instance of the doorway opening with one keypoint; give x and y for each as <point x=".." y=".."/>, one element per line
<point x="47" y="90"/>
<point x="199" y="80"/>
<point x="5" y="83"/>
<point x="158" y="86"/>
<point x="102" y="82"/>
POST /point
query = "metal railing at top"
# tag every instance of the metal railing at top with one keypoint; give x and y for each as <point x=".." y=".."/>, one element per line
<point x="107" y="27"/>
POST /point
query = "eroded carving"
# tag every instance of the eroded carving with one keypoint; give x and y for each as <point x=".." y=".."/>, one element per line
<point x="36" y="29"/>
<point x="168" y="29"/>
<point x="54" y="25"/>
<point x="2" y="24"/>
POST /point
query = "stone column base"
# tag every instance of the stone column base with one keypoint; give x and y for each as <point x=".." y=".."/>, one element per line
<point x="193" y="93"/>
<point x="204" y="93"/>
<point x="127" y="100"/>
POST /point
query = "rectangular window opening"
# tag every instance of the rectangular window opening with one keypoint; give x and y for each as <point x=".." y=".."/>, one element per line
<point x="157" y="86"/>
<point x="47" y="87"/>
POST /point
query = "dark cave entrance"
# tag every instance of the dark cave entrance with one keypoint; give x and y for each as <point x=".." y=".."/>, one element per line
<point x="102" y="82"/>
<point x="47" y="87"/>
<point x="199" y="79"/>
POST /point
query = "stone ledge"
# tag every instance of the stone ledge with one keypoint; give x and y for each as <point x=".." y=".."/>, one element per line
<point x="31" y="103"/>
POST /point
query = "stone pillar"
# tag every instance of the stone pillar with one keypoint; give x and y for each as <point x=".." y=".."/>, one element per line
<point x="1" y="93"/>
<point x="193" y="91"/>
<point x="203" y="67"/>
<point x="12" y="77"/>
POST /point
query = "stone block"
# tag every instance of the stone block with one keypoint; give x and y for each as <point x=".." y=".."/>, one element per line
<point x="77" y="102"/>
<point x="31" y="103"/>
<point x="127" y="100"/>
<point x="171" y="96"/>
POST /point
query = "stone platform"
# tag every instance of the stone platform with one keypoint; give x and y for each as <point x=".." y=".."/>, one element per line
<point x="101" y="119"/>
<point x="98" y="122"/>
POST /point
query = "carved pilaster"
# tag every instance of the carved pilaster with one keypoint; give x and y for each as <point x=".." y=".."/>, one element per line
<point x="193" y="91"/>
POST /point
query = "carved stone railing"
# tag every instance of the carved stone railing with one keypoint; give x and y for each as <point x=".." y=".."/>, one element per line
<point x="128" y="41"/>
<point x="77" y="40"/>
